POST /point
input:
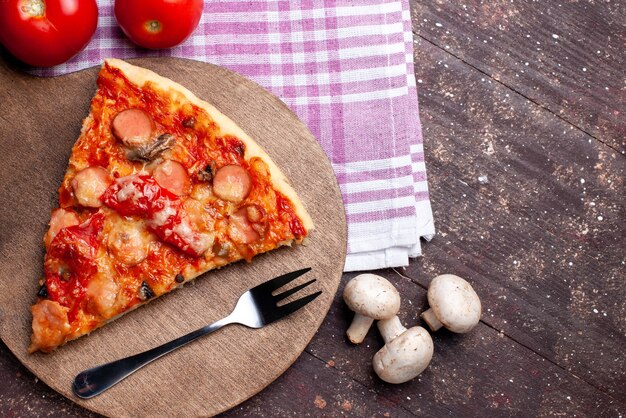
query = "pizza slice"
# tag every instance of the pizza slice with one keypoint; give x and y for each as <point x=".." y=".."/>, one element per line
<point x="160" y="188"/>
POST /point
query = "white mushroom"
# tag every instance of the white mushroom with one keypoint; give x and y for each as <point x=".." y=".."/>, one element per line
<point x="370" y="297"/>
<point x="453" y="304"/>
<point x="406" y="353"/>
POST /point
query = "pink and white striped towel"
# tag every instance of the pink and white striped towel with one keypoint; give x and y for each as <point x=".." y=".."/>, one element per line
<point x="346" y="69"/>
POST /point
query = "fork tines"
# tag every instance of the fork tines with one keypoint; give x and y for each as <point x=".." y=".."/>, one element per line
<point x="268" y="303"/>
<point x="290" y="292"/>
<point x="291" y="307"/>
<point x="280" y="281"/>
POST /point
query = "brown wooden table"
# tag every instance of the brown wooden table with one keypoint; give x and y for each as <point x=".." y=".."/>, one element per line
<point x="523" y="107"/>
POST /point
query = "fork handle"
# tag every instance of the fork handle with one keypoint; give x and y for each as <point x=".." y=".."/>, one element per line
<point x="94" y="381"/>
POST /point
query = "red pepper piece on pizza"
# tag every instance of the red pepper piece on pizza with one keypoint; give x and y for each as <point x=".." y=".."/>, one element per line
<point x="160" y="188"/>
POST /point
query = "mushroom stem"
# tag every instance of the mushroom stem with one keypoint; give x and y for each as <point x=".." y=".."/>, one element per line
<point x="390" y="328"/>
<point x="359" y="327"/>
<point x="431" y="319"/>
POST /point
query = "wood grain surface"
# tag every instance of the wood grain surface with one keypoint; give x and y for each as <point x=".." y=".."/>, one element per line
<point x="565" y="57"/>
<point x="41" y="120"/>
<point x="507" y="146"/>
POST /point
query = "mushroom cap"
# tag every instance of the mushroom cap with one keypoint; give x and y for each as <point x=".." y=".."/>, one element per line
<point x="405" y="357"/>
<point x="372" y="296"/>
<point x="454" y="302"/>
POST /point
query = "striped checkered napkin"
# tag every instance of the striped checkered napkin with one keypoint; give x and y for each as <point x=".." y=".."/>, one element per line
<point x="346" y="69"/>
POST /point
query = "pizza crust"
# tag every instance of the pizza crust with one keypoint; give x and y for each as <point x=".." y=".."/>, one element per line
<point x="140" y="76"/>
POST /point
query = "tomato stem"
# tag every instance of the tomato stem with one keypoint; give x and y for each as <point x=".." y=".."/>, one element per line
<point x="153" y="26"/>
<point x="34" y="8"/>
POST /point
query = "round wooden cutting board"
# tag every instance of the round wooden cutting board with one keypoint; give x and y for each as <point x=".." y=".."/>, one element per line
<point x="41" y="119"/>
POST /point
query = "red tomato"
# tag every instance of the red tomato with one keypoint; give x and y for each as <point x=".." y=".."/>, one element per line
<point x="70" y="262"/>
<point x="141" y="195"/>
<point x="47" y="32"/>
<point x="158" y="23"/>
<point x="138" y="195"/>
<point x="76" y="247"/>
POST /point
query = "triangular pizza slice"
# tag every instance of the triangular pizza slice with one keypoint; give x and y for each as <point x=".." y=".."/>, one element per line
<point x="160" y="188"/>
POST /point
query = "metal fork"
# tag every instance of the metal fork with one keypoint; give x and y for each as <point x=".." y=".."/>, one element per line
<point x="255" y="308"/>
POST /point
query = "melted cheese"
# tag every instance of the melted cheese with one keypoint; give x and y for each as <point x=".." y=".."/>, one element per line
<point x="198" y="242"/>
<point x="202" y="242"/>
<point x="161" y="217"/>
<point x="129" y="241"/>
<point x="128" y="191"/>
